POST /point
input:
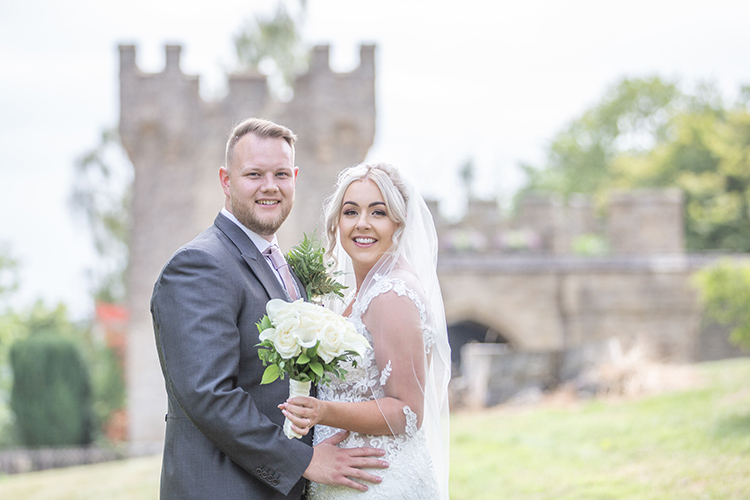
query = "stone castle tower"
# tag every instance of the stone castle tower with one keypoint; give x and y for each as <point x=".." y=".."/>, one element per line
<point x="176" y="141"/>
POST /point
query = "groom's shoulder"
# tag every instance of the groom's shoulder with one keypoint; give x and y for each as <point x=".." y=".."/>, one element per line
<point x="210" y="241"/>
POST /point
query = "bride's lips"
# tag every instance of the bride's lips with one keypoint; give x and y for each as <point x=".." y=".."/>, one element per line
<point x="364" y="241"/>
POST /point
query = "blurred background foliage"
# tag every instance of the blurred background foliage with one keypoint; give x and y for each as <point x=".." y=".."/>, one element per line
<point x="651" y="133"/>
<point x="725" y="292"/>
<point x="51" y="394"/>
<point x="56" y="371"/>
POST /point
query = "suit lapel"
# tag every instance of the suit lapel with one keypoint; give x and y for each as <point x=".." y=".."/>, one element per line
<point x="252" y="257"/>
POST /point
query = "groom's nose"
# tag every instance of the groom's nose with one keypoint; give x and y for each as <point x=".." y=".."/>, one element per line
<point x="269" y="183"/>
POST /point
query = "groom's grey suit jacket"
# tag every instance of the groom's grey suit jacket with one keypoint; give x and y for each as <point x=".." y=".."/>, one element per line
<point x="223" y="437"/>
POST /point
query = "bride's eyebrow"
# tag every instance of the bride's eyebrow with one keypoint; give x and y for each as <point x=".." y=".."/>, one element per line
<point x="373" y="204"/>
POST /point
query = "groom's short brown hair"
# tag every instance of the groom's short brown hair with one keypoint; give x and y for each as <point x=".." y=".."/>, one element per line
<point x="261" y="128"/>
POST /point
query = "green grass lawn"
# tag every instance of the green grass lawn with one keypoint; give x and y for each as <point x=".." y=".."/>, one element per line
<point x="689" y="444"/>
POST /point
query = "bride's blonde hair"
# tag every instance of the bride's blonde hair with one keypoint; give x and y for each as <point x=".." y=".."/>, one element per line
<point x="391" y="185"/>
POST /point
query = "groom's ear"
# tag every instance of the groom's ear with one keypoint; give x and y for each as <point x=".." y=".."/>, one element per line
<point x="296" y="171"/>
<point x="224" y="179"/>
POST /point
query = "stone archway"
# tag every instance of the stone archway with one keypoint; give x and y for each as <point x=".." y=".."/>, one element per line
<point x="463" y="332"/>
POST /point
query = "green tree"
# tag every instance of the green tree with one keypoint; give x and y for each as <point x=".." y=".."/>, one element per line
<point x="708" y="158"/>
<point x="101" y="195"/>
<point x="467" y="172"/>
<point x="631" y="117"/>
<point x="724" y="289"/>
<point x="8" y="274"/>
<point x="273" y="45"/>
<point x="10" y="330"/>
<point x="649" y="134"/>
<point x="107" y="384"/>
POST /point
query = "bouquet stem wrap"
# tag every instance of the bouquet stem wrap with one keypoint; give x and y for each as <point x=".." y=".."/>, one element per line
<point x="296" y="388"/>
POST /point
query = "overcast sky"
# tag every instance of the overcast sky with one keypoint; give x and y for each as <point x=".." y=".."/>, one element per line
<point x="490" y="80"/>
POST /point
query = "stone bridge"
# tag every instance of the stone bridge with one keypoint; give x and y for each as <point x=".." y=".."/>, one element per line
<point x="558" y="302"/>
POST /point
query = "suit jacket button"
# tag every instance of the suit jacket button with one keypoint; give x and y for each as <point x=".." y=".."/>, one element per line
<point x="259" y="471"/>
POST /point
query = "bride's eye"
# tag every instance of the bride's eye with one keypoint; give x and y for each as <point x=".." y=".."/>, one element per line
<point x="350" y="212"/>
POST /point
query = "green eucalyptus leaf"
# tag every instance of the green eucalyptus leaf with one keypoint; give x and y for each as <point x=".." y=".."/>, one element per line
<point x="317" y="368"/>
<point x="270" y="374"/>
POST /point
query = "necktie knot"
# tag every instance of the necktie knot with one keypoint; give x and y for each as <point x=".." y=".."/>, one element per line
<point x="279" y="263"/>
<point x="277" y="259"/>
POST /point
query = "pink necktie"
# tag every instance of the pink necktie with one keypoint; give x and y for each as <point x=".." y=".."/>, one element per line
<point x="279" y="263"/>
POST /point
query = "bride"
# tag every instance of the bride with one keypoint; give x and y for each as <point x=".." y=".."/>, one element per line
<point x="380" y="232"/>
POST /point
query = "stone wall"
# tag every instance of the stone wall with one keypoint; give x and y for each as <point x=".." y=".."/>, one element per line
<point x="646" y="222"/>
<point x="639" y="222"/>
<point x="23" y="460"/>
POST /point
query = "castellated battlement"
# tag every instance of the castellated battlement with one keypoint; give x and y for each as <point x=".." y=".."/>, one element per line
<point x="640" y="222"/>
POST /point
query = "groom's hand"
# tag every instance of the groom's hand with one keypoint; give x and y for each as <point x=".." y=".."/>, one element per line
<point x="339" y="466"/>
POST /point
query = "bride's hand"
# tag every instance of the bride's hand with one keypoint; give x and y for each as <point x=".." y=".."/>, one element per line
<point x="303" y="412"/>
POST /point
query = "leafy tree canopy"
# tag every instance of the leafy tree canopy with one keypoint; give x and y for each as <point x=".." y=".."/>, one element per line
<point x="273" y="45"/>
<point x="8" y="274"/>
<point x="648" y="133"/>
<point x="101" y="195"/>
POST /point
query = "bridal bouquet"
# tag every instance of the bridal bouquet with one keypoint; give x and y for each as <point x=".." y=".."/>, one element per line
<point x="306" y="342"/>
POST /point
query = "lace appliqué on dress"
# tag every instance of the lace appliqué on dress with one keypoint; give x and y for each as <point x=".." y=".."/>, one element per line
<point x="386" y="373"/>
<point x="411" y="422"/>
<point x="411" y="474"/>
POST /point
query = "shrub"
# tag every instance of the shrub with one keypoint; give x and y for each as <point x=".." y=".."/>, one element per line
<point x="725" y="292"/>
<point x="51" y="395"/>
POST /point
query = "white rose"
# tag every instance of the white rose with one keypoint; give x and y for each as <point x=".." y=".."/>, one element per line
<point x="340" y="336"/>
<point x="286" y="319"/>
<point x="273" y="307"/>
<point x="283" y="340"/>
<point x="312" y="321"/>
<point x="331" y="339"/>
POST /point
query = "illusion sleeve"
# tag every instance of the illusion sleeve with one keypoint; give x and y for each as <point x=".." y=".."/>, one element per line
<point x="394" y="320"/>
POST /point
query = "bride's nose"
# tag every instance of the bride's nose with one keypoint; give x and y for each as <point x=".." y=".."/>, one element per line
<point x="362" y="222"/>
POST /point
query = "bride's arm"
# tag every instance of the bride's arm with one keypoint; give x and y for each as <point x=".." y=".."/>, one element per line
<point x="396" y="329"/>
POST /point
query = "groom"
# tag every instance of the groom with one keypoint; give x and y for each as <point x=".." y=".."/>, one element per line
<point x="223" y="434"/>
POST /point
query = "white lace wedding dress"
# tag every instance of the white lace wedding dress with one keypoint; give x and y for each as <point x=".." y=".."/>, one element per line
<point x="411" y="474"/>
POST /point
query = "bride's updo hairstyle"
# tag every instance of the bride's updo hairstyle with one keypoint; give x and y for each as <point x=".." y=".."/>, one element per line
<point x="391" y="186"/>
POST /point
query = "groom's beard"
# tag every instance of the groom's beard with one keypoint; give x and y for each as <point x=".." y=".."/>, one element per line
<point x="262" y="226"/>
